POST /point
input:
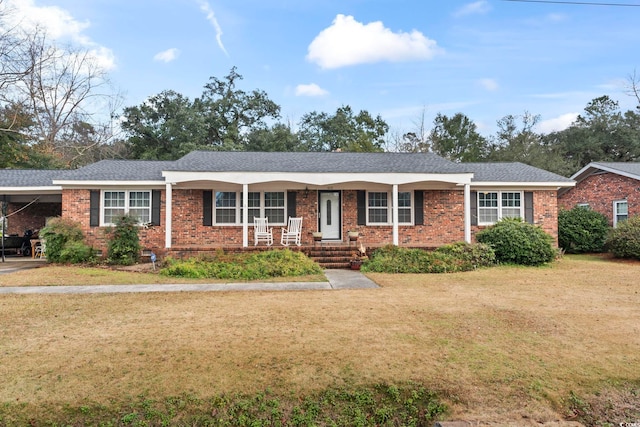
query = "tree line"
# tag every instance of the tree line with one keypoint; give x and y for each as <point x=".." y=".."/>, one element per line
<point x="58" y="109"/>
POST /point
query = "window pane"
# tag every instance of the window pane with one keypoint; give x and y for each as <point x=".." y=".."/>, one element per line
<point x="274" y="215"/>
<point x="139" y="199"/>
<point x="622" y="208"/>
<point x="111" y="214"/>
<point x="377" y="199"/>
<point x="488" y="200"/>
<point x="404" y="200"/>
<point x="511" y="200"/>
<point x="486" y="215"/>
<point x="114" y="199"/>
<point x="510" y="213"/>
<point x="404" y="216"/>
<point x="225" y="216"/>
<point x="274" y="199"/>
<point x="225" y="199"/>
<point x="143" y="215"/>
<point x="378" y="215"/>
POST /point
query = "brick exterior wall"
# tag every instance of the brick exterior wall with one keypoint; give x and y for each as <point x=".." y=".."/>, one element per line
<point x="443" y="221"/>
<point x="75" y="206"/>
<point x="32" y="217"/>
<point x="600" y="191"/>
<point x="545" y="213"/>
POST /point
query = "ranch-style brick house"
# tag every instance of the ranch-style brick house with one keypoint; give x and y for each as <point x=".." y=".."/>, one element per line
<point x="611" y="188"/>
<point x="208" y="199"/>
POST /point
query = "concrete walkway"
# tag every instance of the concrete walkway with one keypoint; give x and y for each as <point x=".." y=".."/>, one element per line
<point x="338" y="279"/>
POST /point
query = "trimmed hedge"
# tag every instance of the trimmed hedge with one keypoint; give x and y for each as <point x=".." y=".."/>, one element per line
<point x="518" y="242"/>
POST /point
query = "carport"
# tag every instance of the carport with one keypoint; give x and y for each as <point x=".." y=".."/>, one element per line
<point x="27" y="200"/>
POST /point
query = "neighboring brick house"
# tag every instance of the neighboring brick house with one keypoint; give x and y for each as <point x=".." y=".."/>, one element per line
<point x="611" y="188"/>
<point x="201" y="200"/>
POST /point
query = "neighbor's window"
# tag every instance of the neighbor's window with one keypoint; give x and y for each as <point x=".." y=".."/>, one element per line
<point x="133" y="203"/>
<point x="495" y="205"/>
<point x="620" y="211"/>
<point x="268" y="204"/>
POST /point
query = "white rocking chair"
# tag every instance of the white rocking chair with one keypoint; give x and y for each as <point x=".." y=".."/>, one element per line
<point x="293" y="232"/>
<point x="262" y="232"/>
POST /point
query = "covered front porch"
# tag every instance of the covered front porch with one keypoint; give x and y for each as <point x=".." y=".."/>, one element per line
<point x="208" y="210"/>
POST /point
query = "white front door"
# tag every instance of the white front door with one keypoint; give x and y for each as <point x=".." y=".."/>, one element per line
<point x="330" y="214"/>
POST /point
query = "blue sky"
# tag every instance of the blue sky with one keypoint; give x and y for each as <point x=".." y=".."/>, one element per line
<point x="396" y="58"/>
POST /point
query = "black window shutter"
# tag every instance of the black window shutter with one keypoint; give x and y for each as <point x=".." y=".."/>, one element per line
<point x="528" y="206"/>
<point x="291" y="204"/>
<point x="474" y="208"/>
<point x="361" y="202"/>
<point x="207" y="208"/>
<point x="418" y="209"/>
<point x="155" y="207"/>
<point x="94" y="208"/>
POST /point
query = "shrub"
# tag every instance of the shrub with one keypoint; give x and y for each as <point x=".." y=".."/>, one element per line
<point x="624" y="240"/>
<point x="453" y="258"/>
<point x="65" y="242"/>
<point x="261" y="265"/>
<point x="475" y="255"/>
<point x="518" y="242"/>
<point x="124" y="243"/>
<point x="582" y="230"/>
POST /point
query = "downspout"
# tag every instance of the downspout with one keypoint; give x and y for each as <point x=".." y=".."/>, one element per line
<point x="245" y="215"/>
<point x="394" y="215"/>
<point x="167" y="216"/>
<point x="467" y="213"/>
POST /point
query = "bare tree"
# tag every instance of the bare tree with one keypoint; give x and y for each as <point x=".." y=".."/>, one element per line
<point x="633" y="87"/>
<point x="65" y="90"/>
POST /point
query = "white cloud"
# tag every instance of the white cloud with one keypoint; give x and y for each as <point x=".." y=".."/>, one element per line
<point x="310" y="90"/>
<point x="477" y="7"/>
<point x="59" y="24"/>
<point x="557" y="124"/>
<point x="167" y="55"/>
<point x="211" y="17"/>
<point x="489" y="84"/>
<point x="348" y="42"/>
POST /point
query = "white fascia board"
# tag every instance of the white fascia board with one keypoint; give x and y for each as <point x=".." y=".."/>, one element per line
<point x="23" y="190"/>
<point x="318" y="179"/>
<point x="540" y="185"/>
<point x="103" y="184"/>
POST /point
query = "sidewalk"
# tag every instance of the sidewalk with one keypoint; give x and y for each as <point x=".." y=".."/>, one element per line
<point x="338" y="279"/>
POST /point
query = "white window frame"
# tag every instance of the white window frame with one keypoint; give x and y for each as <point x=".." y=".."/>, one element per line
<point x="238" y="208"/>
<point x="500" y="209"/>
<point x="126" y="208"/>
<point x="389" y="208"/>
<point x="616" y="204"/>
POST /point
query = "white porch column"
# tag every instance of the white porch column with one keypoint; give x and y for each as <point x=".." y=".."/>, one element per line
<point x="394" y="214"/>
<point x="245" y="215"/>
<point x="168" y="215"/>
<point x="467" y="213"/>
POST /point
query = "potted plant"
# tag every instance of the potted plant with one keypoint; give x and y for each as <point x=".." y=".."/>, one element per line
<point x="353" y="235"/>
<point x="356" y="261"/>
<point x="317" y="236"/>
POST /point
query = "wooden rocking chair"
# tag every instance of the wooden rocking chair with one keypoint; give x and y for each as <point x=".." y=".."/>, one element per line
<point x="293" y="232"/>
<point x="262" y="232"/>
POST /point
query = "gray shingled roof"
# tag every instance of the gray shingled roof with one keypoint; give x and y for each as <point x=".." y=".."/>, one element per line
<point x="512" y="172"/>
<point x="632" y="168"/>
<point x="27" y="177"/>
<point x="305" y="162"/>
<point x="118" y="170"/>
